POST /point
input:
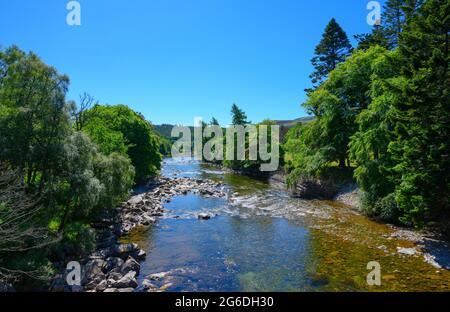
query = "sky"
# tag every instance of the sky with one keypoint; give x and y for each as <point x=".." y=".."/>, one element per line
<point x="173" y="60"/>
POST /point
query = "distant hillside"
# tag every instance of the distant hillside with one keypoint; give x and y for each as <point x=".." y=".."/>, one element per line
<point x="292" y="123"/>
<point x="165" y="130"/>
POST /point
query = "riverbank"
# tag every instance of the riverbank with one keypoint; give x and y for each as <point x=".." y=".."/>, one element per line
<point x="114" y="267"/>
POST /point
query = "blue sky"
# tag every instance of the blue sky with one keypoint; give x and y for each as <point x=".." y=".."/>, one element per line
<point x="173" y="60"/>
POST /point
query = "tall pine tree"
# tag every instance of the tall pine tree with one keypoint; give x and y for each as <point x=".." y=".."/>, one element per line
<point x="332" y="50"/>
<point x="238" y="116"/>
<point x="393" y="21"/>
<point x="422" y="146"/>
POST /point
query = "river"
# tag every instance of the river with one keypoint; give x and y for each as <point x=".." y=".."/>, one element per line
<point x="262" y="240"/>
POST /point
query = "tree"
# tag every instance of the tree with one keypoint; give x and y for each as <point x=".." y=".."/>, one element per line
<point x="421" y="147"/>
<point x="369" y="146"/>
<point x="20" y="235"/>
<point x="401" y="147"/>
<point x="337" y="102"/>
<point x="34" y="117"/>
<point x="86" y="102"/>
<point x="214" y="122"/>
<point x="393" y="20"/>
<point x="332" y="50"/>
<point x="119" y="129"/>
<point x="377" y="37"/>
<point x="238" y="116"/>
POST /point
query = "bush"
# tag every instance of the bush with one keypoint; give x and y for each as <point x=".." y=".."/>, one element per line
<point x="388" y="209"/>
<point x="79" y="239"/>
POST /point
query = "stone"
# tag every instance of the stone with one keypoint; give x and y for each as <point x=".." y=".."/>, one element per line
<point x="130" y="265"/>
<point x="127" y="281"/>
<point x="113" y="262"/>
<point x="407" y="251"/>
<point x="158" y="276"/>
<point x="102" y="286"/>
<point x="140" y="255"/>
<point x="124" y="250"/>
<point x="108" y="290"/>
<point x="126" y="290"/>
<point x="115" y="276"/>
<point x="147" y="285"/>
<point x="95" y="266"/>
<point x="135" y="200"/>
<point x="204" y="216"/>
<point x="93" y="273"/>
<point x="147" y="220"/>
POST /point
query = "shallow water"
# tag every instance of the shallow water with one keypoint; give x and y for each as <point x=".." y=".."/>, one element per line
<point x="262" y="240"/>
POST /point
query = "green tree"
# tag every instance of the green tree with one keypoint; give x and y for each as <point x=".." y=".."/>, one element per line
<point x="332" y="50"/>
<point x="421" y="147"/>
<point x="34" y="117"/>
<point x="214" y="122"/>
<point x="119" y="129"/>
<point x="376" y="37"/>
<point x="393" y="20"/>
<point x="337" y="102"/>
<point x="369" y="146"/>
<point x="238" y="116"/>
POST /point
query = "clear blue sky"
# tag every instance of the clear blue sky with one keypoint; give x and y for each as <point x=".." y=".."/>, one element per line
<point x="173" y="60"/>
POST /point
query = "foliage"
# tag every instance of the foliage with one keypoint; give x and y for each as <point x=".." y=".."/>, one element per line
<point x="238" y="116"/>
<point x="121" y="130"/>
<point x="63" y="181"/>
<point x="386" y="113"/>
<point x="332" y="50"/>
<point x="324" y="142"/>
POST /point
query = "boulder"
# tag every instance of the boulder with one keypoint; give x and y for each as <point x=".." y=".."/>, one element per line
<point x="135" y="200"/>
<point x="95" y="266"/>
<point x="147" y="285"/>
<point x="102" y="286"/>
<point x="113" y="262"/>
<point x="140" y="255"/>
<point x="124" y="250"/>
<point x="93" y="273"/>
<point x="128" y="281"/>
<point x="111" y="290"/>
<point x="204" y="216"/>
<point x="115" y="276"/>
<point x="147" y="220"/>
<point x="130" y="265"/>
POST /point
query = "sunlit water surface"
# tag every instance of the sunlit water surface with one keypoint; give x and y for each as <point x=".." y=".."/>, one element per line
<point x="262" y="240"/>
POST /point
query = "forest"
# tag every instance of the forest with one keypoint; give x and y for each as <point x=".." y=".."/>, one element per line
<point x="382" y="113"/>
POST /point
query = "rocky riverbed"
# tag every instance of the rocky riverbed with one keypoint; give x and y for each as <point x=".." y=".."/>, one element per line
<point x="114" y="267"/>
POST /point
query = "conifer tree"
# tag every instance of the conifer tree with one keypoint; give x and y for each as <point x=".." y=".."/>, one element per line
<point x="332" y="50"/>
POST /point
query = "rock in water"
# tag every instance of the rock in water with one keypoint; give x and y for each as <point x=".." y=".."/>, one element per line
<point x="204" y="216"/>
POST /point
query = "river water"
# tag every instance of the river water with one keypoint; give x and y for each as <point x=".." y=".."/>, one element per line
<point x="262" y="240"/>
